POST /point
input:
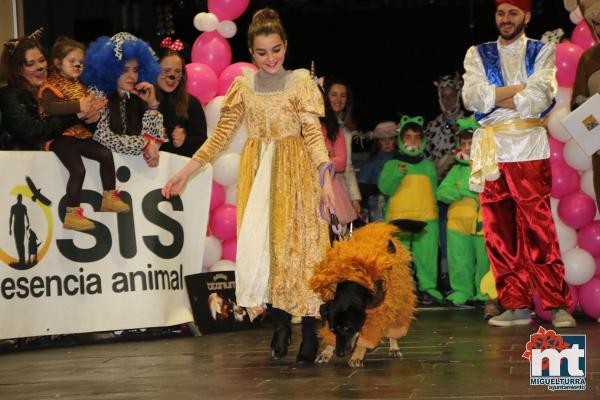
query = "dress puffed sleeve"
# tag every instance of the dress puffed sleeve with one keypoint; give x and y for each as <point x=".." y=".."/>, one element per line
<point x="232" y="112"/>
<point x="309" y="105"/>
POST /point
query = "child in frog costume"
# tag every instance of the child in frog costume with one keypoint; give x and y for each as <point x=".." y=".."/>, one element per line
<point x="411" y="182"/>
<point x="467" y="258"/>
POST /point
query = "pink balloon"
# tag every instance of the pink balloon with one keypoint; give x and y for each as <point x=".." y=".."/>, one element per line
<point x="589" y="297"/>
<point x="212" y="49"/>
<point x="565" y="180"/>
<point x="227" y="9"/>
<point x="229" y="249"/>
<point x="230" y="73"/>
<point x="217" y="196"/>
<point x="597" y="275"/>
<point x="202" y="82"/>
<point x="567" y="58"/>
<point x="588" y="238"/>
<point x="582" y="35"/>
<point x="576" y="210"/>
<point x="556" y="149"/>
<point x="223" y="222"/>
<point x="546" y="315"/>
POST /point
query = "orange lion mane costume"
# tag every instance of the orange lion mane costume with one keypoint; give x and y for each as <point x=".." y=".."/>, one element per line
<point x="365" y="258"/>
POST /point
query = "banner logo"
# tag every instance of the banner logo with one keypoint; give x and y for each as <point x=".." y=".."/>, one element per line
<point x="557" y="361"/>
<point x="28" y="250"/>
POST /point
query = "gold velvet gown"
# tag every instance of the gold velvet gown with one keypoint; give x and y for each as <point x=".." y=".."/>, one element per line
<point x="284" y="137"/>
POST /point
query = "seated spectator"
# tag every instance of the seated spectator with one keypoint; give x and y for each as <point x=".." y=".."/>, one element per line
<point x="23" y="69"/>
<point x="120" y="69"/>
<point x="184" y="119"/>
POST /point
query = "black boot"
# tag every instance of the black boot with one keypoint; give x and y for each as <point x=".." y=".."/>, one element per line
<point x="310" y="342"/>
<point x="282" y="334"/>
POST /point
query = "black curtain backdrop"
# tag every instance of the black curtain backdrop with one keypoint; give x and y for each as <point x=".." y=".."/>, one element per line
<point x="390" y="51"/>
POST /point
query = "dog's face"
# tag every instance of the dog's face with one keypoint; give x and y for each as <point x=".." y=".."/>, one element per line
<point x="345" y="315"/>
<point x="345" y="323"/>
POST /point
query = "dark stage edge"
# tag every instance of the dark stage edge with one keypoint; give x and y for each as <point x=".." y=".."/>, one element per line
<point x="448" y="354"/>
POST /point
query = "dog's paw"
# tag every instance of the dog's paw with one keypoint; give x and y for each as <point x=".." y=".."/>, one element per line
<point x="356" y="363"/>
<point x="323" y="358"/>
<point x="395" y="354"/>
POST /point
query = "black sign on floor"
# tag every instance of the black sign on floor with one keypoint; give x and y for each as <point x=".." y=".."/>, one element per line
<point x="212" y="297"/>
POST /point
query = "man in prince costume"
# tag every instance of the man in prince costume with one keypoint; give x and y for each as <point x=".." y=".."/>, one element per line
<point x="510" y="85"/>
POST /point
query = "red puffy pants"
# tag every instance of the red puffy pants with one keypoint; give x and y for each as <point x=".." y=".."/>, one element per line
<point x="520" y="237"/>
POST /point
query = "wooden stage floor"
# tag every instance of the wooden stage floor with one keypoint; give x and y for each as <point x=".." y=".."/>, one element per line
<point x="448" y="354"/>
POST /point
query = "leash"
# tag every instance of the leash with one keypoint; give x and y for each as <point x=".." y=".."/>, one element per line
<point x="334" y="222"/>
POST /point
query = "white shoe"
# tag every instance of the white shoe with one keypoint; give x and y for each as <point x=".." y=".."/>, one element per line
<point x="512" y="317"/>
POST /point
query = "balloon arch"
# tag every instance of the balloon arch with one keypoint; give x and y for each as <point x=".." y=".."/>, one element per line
<point x="576" y="218"/>
<point x="209" y="76"/>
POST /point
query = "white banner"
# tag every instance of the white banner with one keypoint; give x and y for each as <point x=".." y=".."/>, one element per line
<point x="126" y="273"/>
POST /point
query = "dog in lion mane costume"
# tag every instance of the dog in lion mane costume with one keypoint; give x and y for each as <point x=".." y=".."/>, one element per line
<point x="375" y="259"/>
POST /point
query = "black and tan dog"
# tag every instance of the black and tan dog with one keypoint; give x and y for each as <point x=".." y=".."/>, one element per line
<point x="368" y="290"/>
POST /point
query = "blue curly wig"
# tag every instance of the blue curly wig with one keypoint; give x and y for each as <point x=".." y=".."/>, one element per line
<point x="105" y="60"/>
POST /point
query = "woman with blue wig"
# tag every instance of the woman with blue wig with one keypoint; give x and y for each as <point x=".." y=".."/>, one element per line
<point x="122" y="69"/>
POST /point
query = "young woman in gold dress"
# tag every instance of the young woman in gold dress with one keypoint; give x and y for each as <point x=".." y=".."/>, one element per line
<point x="284" y="174"/>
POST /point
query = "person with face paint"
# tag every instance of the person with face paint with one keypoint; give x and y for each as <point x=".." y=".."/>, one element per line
<point x="467" y="258"/>
<point x="510" y="84"/>
<point x="23" y="69"/>
<point x="120" y="69"/>
<point x="410" y="180"/>
<point x="183" y="116"/>
<point x="440" y="131"/>
<point x="284" y="176"/>
<point x="64" y="94"/>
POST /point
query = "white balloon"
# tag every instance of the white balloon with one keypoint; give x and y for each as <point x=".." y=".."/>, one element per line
<point x="579" y="266"/>
<point x="555" y="127"/>
<point x="225" y="169"/>
<point x="227" y="29"/>
<point x="223" y="265"/>
<point x="239" y="140"/>
<point x="563" y="97"/>
<point x="198" y="21"/>
<point x="575" y="16"/>
<point x="212" y="111"/>
<point x="208" y="22"/>
<point x="231" y="194"/>
<point x="587" y="183"/>
<point x="567" y="236"/>
<point x="212" y="251"/>
<point x="576" y="157"/>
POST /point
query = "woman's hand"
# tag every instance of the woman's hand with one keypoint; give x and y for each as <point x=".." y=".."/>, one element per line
<point x="178" y="136"/>
<point x="328" y="195"/>
<point x="85" y="102"/>
<point x="356" y="206"/>
<point x="92" y="118"/>
<point x="145" y="91"/>
<point x="151" y="154"/>
<point x="177" y="182"/>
